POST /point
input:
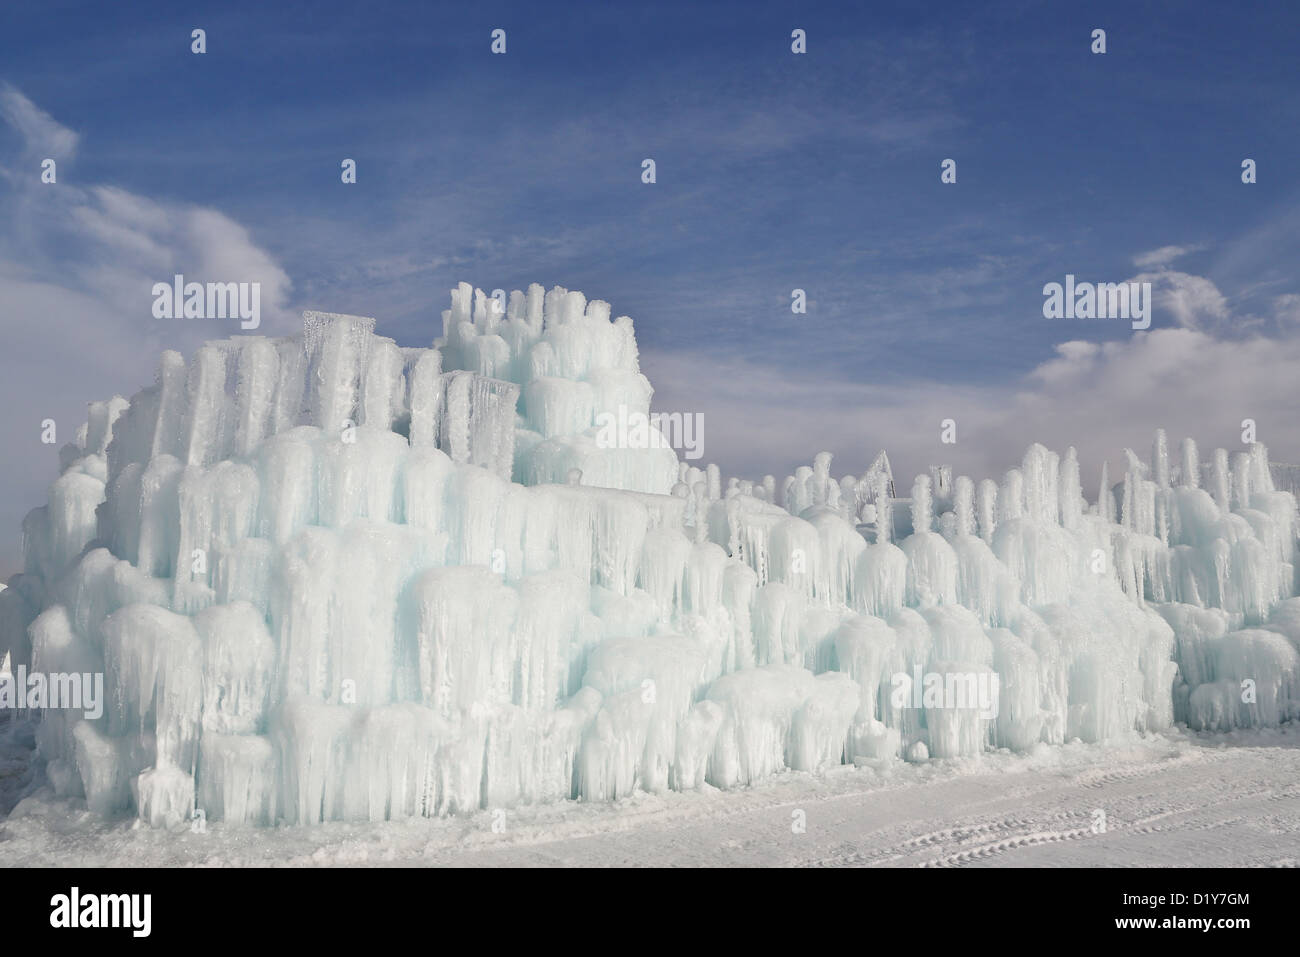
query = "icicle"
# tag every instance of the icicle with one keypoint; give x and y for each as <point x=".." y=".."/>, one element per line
<point x="1106" y="496"/>
<point x="1191" y="465"/>
<point x="963" y="505"/>
<point x="987" y="507"/>
<point x="1160" y="459"/>
<point x="922" y="506"/>
<point x="1221" y="480"/>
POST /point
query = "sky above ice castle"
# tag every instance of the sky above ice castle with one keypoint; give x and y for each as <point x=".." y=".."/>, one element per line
<point x="775" y="171"/>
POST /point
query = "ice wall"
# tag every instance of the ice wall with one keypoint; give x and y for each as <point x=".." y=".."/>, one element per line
<point x="327" y="577"/>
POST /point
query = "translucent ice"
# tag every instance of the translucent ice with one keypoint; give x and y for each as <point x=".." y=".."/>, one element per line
<point x="328" y="577"/>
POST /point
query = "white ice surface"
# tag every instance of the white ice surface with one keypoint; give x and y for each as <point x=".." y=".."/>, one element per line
<point x="328" y="578"/>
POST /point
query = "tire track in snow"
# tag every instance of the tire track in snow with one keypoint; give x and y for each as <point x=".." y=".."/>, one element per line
<point x="985" y="851"/>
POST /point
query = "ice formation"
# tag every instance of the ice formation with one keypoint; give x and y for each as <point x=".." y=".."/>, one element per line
<point x="327" y="577"/>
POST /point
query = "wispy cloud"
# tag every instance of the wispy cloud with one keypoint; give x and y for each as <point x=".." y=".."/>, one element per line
<point x="1099" y="398"/>
<point x="77" y="265"/>
<point x="1193" y="302"/>
<point x="1157" y="258"/>
<point x="40" y="134"/>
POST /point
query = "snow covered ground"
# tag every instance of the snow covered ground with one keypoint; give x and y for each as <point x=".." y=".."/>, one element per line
<point x="1177" y="799"/>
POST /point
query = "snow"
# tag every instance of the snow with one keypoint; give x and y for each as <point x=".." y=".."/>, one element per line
<point x="1179" y="799"/>
<point x="328" y="578"/>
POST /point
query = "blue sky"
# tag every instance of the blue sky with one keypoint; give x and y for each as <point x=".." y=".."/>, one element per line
<point x="774" y="171"/>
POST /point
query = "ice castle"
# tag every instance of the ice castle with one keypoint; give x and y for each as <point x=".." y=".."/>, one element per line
<point x="330" y="578"/>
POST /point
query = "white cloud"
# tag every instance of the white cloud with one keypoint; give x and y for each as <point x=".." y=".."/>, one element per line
<point x="41" y="134"/>
<point x="1286" y="308"/>
<point x="1194" y="301"/>
<point x="1098" y="397"/>
<point x="77" y="266"/>
<point x="1159" y="258"/>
